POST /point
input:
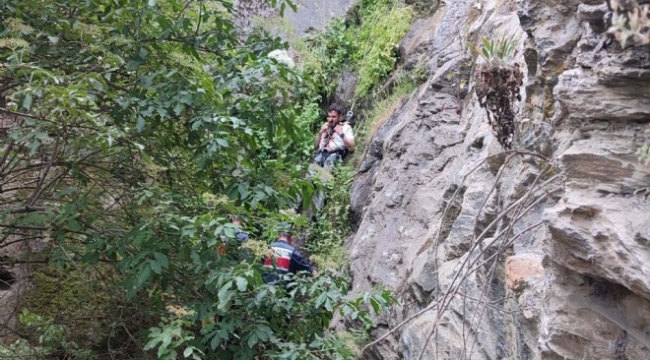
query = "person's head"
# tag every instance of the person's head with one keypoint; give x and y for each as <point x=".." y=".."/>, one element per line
<point x="285" y="232"/>
<point x="235" y="220"/>
<point x="334" y="114"/>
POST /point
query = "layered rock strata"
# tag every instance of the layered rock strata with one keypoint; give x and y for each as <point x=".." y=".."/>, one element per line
<point x="542" y="252"/>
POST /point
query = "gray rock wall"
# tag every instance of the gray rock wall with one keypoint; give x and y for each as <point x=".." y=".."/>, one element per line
<point x="539" y="253"/>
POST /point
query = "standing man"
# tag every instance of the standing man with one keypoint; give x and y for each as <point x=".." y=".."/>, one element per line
<point x="334" y="139"/>
<point x="285" y="258"/>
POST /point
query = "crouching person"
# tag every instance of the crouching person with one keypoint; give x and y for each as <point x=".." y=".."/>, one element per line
<point x="285" y="258"/>
<point x="334" y="139"/>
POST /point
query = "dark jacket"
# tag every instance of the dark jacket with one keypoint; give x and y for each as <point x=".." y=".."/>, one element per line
<point x="242" y="236"/>
<point x="286" y="259"/>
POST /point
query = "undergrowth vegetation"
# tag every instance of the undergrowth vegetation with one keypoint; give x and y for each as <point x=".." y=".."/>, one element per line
<point x="328" y="233"/>
<point x="382" y="26"/>
<point x="366" y="44"/>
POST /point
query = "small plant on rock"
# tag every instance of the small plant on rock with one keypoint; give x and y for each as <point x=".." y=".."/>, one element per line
<point x="498" y="85"/>
<point x="495" y="51"/>
<point x="630" y="22"/>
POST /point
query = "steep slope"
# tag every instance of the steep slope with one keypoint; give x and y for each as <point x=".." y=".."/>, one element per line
<point x="537" y="253"/>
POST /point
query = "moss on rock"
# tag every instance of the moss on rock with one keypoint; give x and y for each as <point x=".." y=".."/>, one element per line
<point x="75" y="299"/>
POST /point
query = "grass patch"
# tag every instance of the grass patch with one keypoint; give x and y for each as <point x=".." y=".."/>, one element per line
<point x="377" y="116"/>
<point x="382" y="27"/>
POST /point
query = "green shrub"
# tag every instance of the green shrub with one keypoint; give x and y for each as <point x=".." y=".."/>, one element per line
<point x="327" y="54"/>
<point x="498" y="86"/>
<point x="53" y="341"/>
<point x="368" y="48"/>
<point x="327" y="235"/>
<point x="383" y="26"/>
<point x="162" y="121"/>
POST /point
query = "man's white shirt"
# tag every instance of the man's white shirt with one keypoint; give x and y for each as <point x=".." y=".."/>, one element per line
<point x="336" y="141"/>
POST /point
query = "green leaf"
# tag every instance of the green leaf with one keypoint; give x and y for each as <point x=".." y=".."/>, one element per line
<point x="96" y="84"/>
<point x="375" y="305"/>
<point x="224" y="303"/>
<point x="178" y="108"/>
<point x="222" y="142"/>
<point x="74" y="225"/>
<point x="224" y="289"/>
<point x="155" y="267"/>
<point x="216" y="340"/>
<point x="321" y="299"/>
<point x="27" y="102"/>
<point x="188" y="351"/>
<point x="486" y="43"/>
<point x="140" y="124"/>
<point x="162" y="259"/>
<point x="144" y="275"/>
<point x="486" y="54"/>
<point x="252" y="340"/>
<point x="242" y="283"/>
<point x="328" y="304"/>
<point x="263" y="332"/>
<point x="225" y="295"/>
<point x="155" y="339"/>
<point x="292" y="5"/>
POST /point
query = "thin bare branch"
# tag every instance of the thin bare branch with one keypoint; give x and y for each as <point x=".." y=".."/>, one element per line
<point x="32" y="200"/>
<point x="24" y="227"/>
<point x="449" y="294"/>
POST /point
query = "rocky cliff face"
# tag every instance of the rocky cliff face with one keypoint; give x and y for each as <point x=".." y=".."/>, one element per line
<point x="542" y="252"/>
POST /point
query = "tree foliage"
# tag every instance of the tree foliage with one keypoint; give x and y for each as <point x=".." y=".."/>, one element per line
<point x="366" y="44"/>
<point x="132" y="128"/>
